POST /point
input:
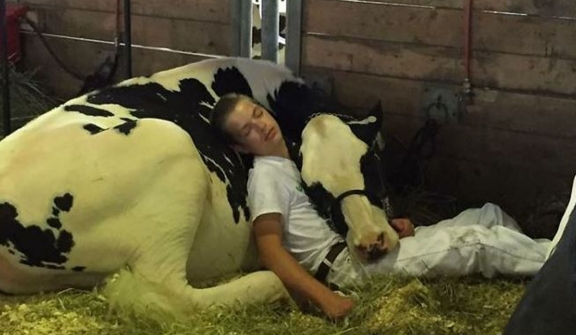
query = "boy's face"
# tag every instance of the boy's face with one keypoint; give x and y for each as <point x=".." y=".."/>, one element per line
<point x="254" y="129"/>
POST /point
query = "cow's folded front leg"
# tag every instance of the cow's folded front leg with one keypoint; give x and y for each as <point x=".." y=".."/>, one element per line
<point x="140" y="293"/>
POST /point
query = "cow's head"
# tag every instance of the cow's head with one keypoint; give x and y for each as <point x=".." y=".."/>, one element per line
<point x="341" y="173"/>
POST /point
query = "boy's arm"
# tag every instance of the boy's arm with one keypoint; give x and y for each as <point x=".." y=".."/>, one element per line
<point x="268" y="233"/>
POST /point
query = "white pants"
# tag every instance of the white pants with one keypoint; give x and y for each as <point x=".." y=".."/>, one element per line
<point x="481" y="240"/>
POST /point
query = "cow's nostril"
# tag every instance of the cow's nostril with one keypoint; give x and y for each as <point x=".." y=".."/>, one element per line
<point x="376" y="253"/>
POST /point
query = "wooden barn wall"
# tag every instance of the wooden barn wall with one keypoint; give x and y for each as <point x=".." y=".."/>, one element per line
<point x="516" y="144"/>
<point x="191" y="26"/>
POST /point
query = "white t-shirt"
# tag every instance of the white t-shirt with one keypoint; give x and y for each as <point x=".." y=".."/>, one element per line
<point x="274" y="187"/>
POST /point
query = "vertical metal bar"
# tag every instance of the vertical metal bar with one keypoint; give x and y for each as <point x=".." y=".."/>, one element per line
<point x="246" y="29"/>
<point x="294" y="35"/>
<point x="270" y="30"/>
<point x="241" y="15"/>
<point x="5" y="71"/>
<point x="128" y="38"/>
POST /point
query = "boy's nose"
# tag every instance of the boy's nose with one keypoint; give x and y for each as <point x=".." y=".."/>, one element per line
<point x="261" y="126"/>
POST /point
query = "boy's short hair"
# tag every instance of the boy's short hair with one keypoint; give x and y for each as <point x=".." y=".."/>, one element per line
<point x="220" y="112"/>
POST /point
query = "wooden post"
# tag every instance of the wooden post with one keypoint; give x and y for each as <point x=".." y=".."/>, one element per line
<point x="5" y="70"/>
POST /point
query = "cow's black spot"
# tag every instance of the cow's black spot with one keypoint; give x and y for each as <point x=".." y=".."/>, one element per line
<point x="79" y="268"/>
<point x="374" y="183"/>
<point x="64" y="202"/>
<point x="55" y="211"/>
<point x="322" y="201"/>
<point x="190" y="109"/>
<point x="88" y="110"/>
<point x="65" y="241"/>
<point x="93" y="129"/>
<point x="293" y="103"/>
<point x="230" y="80"/>
<point x="54" y="223"/>
<point x="38" y="247"/>
<point x="126" y="127"/>
<point x="256" y="36"/>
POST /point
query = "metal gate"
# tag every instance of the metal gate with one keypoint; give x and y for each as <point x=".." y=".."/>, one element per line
<point x="270" y="11"/>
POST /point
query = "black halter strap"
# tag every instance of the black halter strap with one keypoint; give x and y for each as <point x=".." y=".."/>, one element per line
<point x="341" y="197"/>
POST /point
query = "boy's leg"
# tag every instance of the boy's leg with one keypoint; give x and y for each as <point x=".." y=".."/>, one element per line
<point x="479" y="240"/>
<point x="462" y="250"/>
<point x="489" y="215"/>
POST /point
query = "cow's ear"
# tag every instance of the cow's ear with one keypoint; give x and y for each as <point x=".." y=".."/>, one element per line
<point x="367" y="128"/>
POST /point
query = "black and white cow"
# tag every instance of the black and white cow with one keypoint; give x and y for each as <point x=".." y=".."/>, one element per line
<point x="130" y="181"/>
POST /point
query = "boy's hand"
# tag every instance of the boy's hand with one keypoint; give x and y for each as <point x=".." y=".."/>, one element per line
<point x="403" y="227"/>
<point x="337" y="306"/>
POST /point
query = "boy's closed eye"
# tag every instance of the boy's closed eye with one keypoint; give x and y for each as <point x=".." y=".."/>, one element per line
<point x="257" y="112"/>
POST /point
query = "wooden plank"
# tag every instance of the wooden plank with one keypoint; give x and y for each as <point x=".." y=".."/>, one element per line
<point x="493" y="70"/>
<point x="441" y="27"/>
<point x="528" y="113"/>
<point x="565" y="8"/>
<point x="493" y="142"/>
<point x="541" y="152"/>
<point x="505" y="179"/>
<point x="536" y="152"/>
<point x="381" y="58"/>
<point x="517" y="189"/>
<point x="84" y="57"/>
<point x="201" y="10"/>
<point x="193" y="36"/>
<point x="361" y="91"/>
<point x="512" y="183"/>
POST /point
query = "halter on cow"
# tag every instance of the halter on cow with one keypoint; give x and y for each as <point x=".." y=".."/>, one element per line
<point x="130" y="180"/>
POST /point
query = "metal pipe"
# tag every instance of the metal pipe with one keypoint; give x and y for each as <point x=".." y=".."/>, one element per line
<point x="270" y="30"/>
<point x="241" y="27"/>
<point x="5" y="69"/>
<point x="245" y="28"/>
<point x="128" y="38"/>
